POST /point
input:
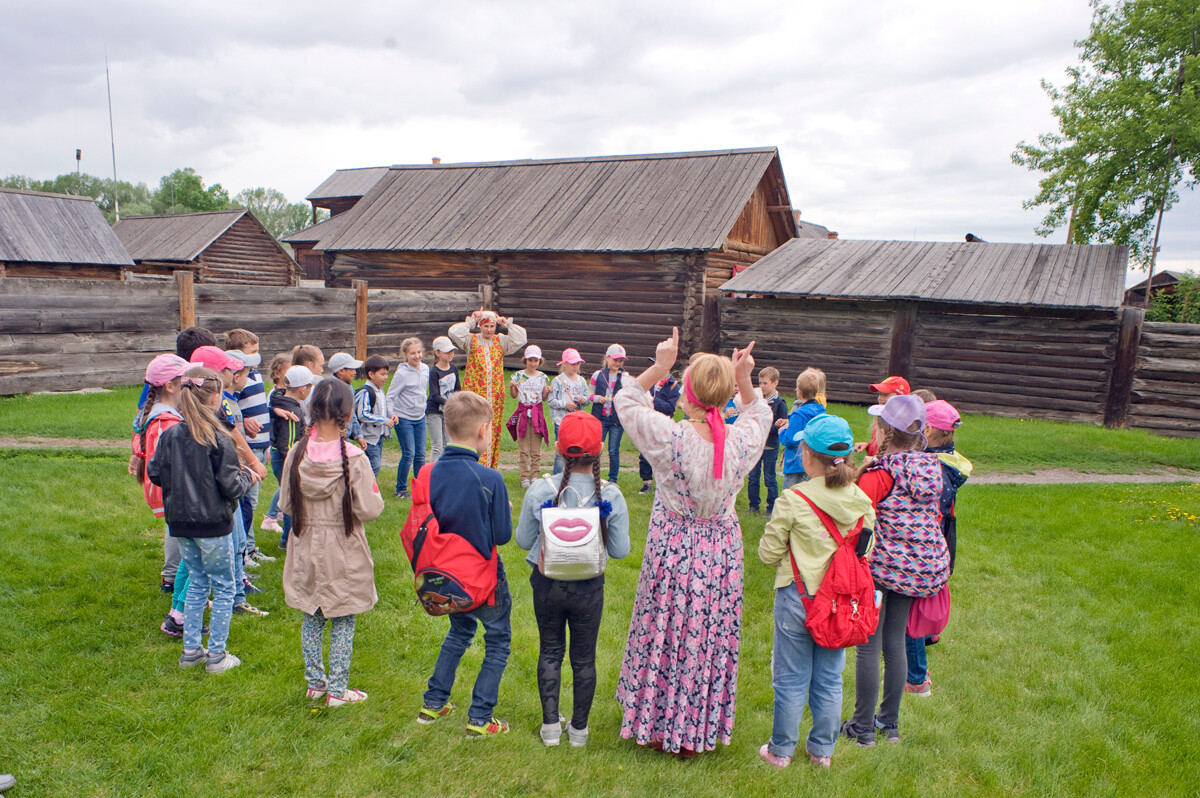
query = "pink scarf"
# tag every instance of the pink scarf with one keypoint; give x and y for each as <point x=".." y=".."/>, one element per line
<point x="715" y="422"/>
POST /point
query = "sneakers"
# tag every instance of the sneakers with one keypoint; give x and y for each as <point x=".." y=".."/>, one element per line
<point x="171" y="626"/>
<point x="401" y="494"/>
<point x="270" y="524"/>
<point x="823" y="761"/>
<point x="246" y="608"/>
<point x="190" y="658"/>
<point x="890" y="733"/>
<point x="864" y="737"/>
<point x="646" y="487"/>
<point x="551" y="733"/>
<point x="923" y="690"/>
<point x="578" y="737"/>
<point x="251" y="588"/>
<point x="525" y="483"/>
<point x="429" y="715"/>
<point x="347" y="697"/>
<point x="755" y="511"/>
<point x="489" y="728"/>
<point x="220" y="662"/>
<point x="250" y="562"/>
<point x="773" y="759"/>
<point x="166" y="587"/>
<point x="315" y="693"/>
<point x="262" y="556"/>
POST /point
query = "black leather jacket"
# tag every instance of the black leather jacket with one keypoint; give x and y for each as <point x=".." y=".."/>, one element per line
<point x="201" y="484"/>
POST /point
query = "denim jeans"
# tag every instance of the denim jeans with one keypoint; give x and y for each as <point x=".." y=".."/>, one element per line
<point x="436" y="423"/>
<point x="239" y="563"/>
<point x="374" y="452"/>
<point x="210" y="567"/>
<point x="558" y="458"/>
<point x="918" y="665"/>
<point x="803" y="672"/>
<point x="794" y="479"/>
<point x="250" y="501"/>
<point x="765" y="464"/>
<point x="497" y="634"/>
<point x="613" y="431"/>
<point x="412" y="449"/>
<point x="277" y="458"/>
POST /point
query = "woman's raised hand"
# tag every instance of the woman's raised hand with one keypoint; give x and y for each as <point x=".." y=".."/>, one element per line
<point x="743" y="362"/>
<point x="667" y="351"/>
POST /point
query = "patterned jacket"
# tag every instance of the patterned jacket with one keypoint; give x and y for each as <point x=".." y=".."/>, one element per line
<point x="910" y="556"/>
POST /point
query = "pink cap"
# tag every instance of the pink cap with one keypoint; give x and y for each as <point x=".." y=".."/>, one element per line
<point x="616" y="351"/>
<point x="570" y="356"/>
<point x="213" y="357"/>
<point x="942" y="415"/>
<point x="533" y="350"/>
<point x="164" y="368"/>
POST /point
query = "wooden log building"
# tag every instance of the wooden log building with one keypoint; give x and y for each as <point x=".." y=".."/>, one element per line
<point x="58" y="236"/>
<point x="340" y="192"/>
<point x="583" y="252"/>
<point x="218" y="247"/>
<point x="1008" y="329"/>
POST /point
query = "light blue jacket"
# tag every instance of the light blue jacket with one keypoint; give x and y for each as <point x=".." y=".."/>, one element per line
<point x="582" y="486"/>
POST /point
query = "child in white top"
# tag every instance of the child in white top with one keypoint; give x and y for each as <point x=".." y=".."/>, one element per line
<point x="530" y="388"/>
<point x="407" y="396"/>
<point x="568" y="393"/>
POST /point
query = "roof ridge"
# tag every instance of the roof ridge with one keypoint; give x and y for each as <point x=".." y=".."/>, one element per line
<point x="649" y="156"/>
<point x="33" y="193"/>
<point x="190" y="213"/>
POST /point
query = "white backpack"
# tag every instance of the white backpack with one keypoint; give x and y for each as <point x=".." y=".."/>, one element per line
<point x="572" y="547"/>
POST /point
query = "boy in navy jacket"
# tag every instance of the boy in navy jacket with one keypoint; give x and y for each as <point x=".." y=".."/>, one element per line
<point x="471" y="500"/>
<point x="666" y="395"/>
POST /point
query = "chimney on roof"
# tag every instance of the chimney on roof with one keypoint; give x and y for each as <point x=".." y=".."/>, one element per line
<point x="437" y="161"/>
<point x="832" y="235"/>
<point x="974" y="239"/>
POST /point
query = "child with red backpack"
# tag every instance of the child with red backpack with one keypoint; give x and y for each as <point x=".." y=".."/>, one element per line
<point x="470" y="500"/>
<point x="799" y="543"/>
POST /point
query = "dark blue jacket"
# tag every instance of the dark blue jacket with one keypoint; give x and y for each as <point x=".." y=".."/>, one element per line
<point x="666" y="397"/>
<point x="779" y="411"/>
<point x="952" y="480"/>
<point x="797" y="420"/>
<point x="470" y="500"/>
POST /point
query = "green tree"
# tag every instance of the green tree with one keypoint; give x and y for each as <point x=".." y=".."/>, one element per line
<point x="1129" y="125"/>
<point x="183" y="191"/>
<point x="135" y="198"/>
<point x="1181" y="306"/>
<point x="273" y="210"/>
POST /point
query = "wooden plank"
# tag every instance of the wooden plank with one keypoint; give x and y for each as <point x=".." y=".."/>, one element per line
<point x="360" y="320"/>
<point x="1120" y="387"/>
<point x="185" y="282"/>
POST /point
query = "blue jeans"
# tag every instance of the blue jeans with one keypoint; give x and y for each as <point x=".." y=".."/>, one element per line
<point x="497" y="634"/>
<point x="210" y="567"/>
<point x="239" y="564"/>
<point x="374" y="452"/>
<point x="612" y="430"/>
<point x="918" y="665"/>
<point x="277" y="458"/>
<point x="794" y="479"/>
<point x="412" y="449"/>
<point x="765" y="464"/>
<point x="803" y="671"/>
<point x="558" y="458"/>
<point x="250" y="500"/>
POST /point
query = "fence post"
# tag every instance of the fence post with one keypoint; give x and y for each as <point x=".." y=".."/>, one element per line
<point x="185" y="282"/>
<point x="903" y="329"/>
<point x="1120" y="385"/>
<point x="360" y="319"/>
<point x="485" y="295"/>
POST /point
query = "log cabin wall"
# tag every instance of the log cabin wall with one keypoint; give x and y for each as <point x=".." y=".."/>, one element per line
<point x="1166" y="385"/>
<point x="417" y="271"/>
<point x="281" y="317"/>
<point x="393" y="316"/>
<point x="245" y="254"/>
<point x="61" y="271"/>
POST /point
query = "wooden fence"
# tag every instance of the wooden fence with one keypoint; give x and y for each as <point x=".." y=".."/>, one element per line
<point x="1091" y="366"/>
<point x="62" y="335"/>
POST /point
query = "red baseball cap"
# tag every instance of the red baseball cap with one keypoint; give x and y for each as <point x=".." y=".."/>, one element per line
<point x="893" y="385"/>
<point x="579" y="435"/>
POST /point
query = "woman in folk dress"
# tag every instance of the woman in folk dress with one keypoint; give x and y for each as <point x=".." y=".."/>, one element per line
<point x="484" y="373"/>
<point x="678" y="683"/>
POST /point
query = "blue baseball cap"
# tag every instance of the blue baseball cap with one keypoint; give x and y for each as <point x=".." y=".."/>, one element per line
<point x="829" y="435"/>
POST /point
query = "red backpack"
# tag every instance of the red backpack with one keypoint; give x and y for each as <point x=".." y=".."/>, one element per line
<point x="843" y="613"/>
<point x="449" y="574"/>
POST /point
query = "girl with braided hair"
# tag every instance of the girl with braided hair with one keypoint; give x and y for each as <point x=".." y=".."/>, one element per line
<point x="329" y="490"/>
<point x="577" y="605"/>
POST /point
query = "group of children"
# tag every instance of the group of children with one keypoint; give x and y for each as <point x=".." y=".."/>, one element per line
<point x="206" y="429"/>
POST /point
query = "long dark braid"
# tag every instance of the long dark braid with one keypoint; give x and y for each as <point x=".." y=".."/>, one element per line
<point x="596" y="480"/>
<point x="143" y="419"/>
<point x="347" y="498"/>
<point x="573" y="464"/>
<point x="331" y="400"/>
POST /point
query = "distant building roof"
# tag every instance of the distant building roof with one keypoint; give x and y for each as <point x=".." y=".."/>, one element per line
<point x="996" y="274"/>
<point x="629" y="203"/>
<point x="174" y="237"/>
<point x="348" y="183"/>
<point x="316" y="232"/>
<point x="810" y="230"/>
<point x="1165" y="277"/>
<point x="56" y="228"/>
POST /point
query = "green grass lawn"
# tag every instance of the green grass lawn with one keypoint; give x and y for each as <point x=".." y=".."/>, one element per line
<point x="993" y="444"/>
<point x="1068" y="667"/>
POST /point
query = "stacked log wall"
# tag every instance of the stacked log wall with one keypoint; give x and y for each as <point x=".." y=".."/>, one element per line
<point x="1166" y="384"/>
<point x="245" y="254"/>
<point x="410" y="271"/>
<point x="280" y="317"/>
<point x="393" y="316"/>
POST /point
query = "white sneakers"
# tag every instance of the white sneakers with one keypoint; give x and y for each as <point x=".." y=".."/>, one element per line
<point x="552" y="734"/>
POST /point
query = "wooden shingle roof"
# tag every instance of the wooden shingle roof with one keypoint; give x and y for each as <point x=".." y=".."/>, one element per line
<point x="179" y="237"/>
<point x="630" y="203"/>
<point x="1041" y="275"/>
<point x="56" y="228"/>
<point x="315" y="232"/>
<point x="348" y="183"/>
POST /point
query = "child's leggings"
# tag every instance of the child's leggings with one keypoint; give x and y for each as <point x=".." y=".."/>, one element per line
<point x="559" y="606"/>
<point x="341" y="648"/>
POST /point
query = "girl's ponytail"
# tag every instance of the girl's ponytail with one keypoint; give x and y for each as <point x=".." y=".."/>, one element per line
<point x="840" y="470"/>
<point x="143" y="420"/>
<point x="195" y="405"/>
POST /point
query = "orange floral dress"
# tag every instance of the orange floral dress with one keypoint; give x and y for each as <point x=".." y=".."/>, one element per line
<point x="484" y="374"/>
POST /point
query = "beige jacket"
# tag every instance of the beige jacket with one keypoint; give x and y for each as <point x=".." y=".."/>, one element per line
<point x="325" y="568"/>
<point x="794" y="523"/>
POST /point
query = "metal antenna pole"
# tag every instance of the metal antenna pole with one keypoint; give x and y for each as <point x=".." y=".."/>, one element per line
<point x="111" y="137"/>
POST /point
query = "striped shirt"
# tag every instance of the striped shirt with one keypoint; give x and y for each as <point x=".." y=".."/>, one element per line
<point x="252" y="400"/>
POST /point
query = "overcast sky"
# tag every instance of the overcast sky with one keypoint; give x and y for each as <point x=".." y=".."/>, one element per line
<point x="893" y="120"/>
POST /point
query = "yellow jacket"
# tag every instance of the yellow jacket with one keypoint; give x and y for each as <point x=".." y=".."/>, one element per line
<point x="794" y="522"/>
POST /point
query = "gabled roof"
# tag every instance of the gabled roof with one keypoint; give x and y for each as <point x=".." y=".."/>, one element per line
<point x="36" y="227"/>
<point x="628" y="203"/>
<point x="316" y="232"/>
<point x="1047" y="275"/>
<point x="178" y="237"/>
<point x="1163" y="278"/>
<point x="810" y="230"/>
<point x="348" y="183"/>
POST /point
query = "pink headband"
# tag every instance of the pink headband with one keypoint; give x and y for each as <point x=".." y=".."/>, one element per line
<point x="715" y="422"/>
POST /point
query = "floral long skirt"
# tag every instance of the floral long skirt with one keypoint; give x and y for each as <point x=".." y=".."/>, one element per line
<point x="678" y="683"/>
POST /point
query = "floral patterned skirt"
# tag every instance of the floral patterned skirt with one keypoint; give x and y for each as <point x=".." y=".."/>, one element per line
<point x="678" y="681"/>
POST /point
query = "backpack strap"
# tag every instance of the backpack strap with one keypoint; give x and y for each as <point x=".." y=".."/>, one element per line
<point x="419" y="540"/>
<point x="830" y="526"/>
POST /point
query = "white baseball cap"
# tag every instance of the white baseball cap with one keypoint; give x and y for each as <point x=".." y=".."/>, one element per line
<point x="343" y="361"/>
<point x="616" y="351"/>
<point x="298" y="377"/>
<point x="533" y="350"/>
<point x="443" y="344"/>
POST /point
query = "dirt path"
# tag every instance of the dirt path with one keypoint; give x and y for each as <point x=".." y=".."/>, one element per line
<point x="508" y="461"/>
